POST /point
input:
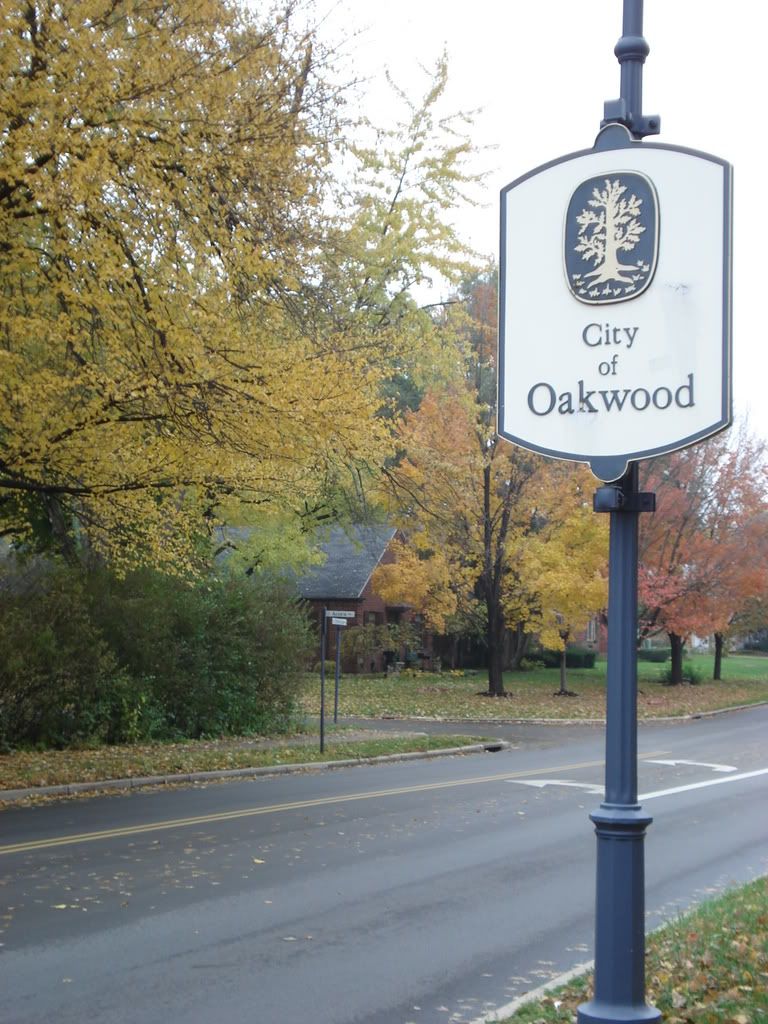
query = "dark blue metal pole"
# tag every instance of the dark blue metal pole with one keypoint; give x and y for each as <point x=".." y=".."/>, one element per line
<point x="620" y="824"/>
<point x="631" y="51"/>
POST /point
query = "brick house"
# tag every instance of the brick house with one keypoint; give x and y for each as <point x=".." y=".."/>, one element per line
<point x="343" y="583"/>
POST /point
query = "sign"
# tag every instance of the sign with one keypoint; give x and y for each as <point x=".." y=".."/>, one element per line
<point x="338" y="622"/>
<point x="615" y="303"/>
<point x="339" y="615"/>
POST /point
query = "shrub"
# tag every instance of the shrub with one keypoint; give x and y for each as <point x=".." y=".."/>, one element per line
<point x="533" y="662"/>
<point x="757" y="641"/>
<point x="691" y="674"/>
<point x="654" y="654"/>
<point x="56" y="669"/>
<point x="575" y="657"/>
<point x="85" y="657"/>
<point x="221" y="656"/>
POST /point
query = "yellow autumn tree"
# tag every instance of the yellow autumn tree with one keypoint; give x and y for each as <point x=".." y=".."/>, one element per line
<point x="161" y="171"/>
<point x="567" y="559"/>
<point x="421" y="577"/>
<point x="188" y="336"/>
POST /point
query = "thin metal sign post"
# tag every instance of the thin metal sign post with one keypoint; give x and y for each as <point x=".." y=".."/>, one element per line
<point x="339" y="619"/>
<point x="620" y="823"/>
<point x="322" y="680"/>
<point x="338" y="623"/>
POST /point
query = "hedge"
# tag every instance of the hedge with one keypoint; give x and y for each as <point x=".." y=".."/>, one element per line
<point x="575" y="657"/>
<point x="655" y="654"/>
<point x="89" y="658"/>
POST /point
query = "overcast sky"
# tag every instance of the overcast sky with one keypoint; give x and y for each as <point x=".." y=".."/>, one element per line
<point x="540" y="71"/>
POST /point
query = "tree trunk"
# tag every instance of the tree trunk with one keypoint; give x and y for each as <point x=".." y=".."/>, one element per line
<point x="490" y="586"/>
<point x="520" y="643"/>
<point x="60" y="525"/>
<point x="495" y="637"/>
<point x="718" y="672"/>
<point x="564" y="691"/>
<point x="563" y="676"/>
<point x="676" y="643"/>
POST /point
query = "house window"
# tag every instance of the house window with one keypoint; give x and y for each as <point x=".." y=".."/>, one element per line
<point x="591" y="632"/>
<point x="370" y="619"/>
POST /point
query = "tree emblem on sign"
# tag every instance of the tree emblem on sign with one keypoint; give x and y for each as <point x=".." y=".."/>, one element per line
<point x="611" y="238"/>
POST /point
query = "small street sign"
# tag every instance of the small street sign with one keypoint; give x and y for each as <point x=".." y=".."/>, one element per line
<point x="338" y="622"/>
<point x="338" y="615"/>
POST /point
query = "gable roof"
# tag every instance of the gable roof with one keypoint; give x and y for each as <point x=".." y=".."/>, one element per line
<point x="352" y="555"/>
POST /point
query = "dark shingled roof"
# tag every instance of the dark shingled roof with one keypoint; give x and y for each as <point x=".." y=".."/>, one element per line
<point x="352" y="555"/>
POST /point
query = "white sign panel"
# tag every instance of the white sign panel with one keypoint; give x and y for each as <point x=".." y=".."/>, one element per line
<point x="338" y="622"/>
<point x="615" y="303"/>
<point x="339" y="615"/>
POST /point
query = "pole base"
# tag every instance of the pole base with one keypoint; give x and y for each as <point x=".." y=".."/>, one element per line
<point x="595" y="1012"/>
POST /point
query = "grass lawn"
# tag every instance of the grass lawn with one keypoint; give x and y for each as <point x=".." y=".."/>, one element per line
<point x="709" y="967"/>
<point x="25" y="768"/>
<point x="459" y="696"/>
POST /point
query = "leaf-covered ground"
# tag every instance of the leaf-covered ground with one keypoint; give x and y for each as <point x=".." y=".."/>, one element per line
<point x="24" y="768"/>
<point x="456" y="696"/>
<point x="710" y="967"/>
<point x="459" y="696"/>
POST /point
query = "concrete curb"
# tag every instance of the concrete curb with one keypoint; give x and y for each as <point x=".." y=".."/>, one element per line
<point x="72" y="788"/>
<point x="493" y="1016"/>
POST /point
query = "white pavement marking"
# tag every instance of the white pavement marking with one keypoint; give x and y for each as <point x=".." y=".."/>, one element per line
<point x="590" y="787"/>
<point x="699" y="764"/>
<point x="702" y="785"/>
<point x="598" y="790"/>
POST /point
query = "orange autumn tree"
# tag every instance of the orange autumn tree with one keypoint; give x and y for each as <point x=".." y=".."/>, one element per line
<point x="475" y="510"/>
<point x="465" y="503"/>
<point x="495" y="534"/>
<point x="703" y="552"/>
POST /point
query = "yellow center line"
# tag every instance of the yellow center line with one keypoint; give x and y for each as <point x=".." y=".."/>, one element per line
<point x="252" y="812"/>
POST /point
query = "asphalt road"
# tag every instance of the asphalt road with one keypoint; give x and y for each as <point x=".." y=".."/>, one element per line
<point x="418" y="892"/>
